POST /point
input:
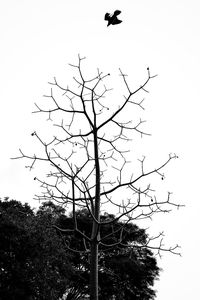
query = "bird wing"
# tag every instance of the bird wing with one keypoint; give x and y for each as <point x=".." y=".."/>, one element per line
<point x="117" y="12"/>
<point x="107" y="17"/>
<point x="116" y="21"/>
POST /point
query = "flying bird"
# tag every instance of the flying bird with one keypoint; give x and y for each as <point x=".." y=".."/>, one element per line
<point x="112" y="18"/>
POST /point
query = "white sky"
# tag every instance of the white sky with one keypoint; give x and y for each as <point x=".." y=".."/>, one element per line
<point x="40" y="38"/>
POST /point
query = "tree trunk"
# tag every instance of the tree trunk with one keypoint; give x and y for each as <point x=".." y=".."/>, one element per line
<point x="95" y="226"/>
<point x="94" y="271"/>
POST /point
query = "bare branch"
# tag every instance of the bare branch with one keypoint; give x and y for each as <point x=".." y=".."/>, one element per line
<point x="88" y="161"/>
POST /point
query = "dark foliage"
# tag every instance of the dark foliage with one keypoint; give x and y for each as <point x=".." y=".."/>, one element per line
<point x="36" y="263"/>
<point x="33" y="261"/>
<point x="124" y="272"/>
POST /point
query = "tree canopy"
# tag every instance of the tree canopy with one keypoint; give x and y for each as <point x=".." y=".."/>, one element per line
<point x="125" y="272"/>
<point x="33" y="260"/>
<point x="36" y="261"/>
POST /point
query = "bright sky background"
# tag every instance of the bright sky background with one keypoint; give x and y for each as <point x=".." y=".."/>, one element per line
<point x="38" y="40"/>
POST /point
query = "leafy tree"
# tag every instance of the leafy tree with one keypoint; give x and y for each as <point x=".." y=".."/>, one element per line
<point x="87" y="159"/>
<point x="124" y="272"/>
<point x="33" y="261"/>
<point x="14" y="249"/>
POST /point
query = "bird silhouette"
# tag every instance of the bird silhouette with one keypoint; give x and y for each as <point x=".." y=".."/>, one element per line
<point x="112" y="18"/>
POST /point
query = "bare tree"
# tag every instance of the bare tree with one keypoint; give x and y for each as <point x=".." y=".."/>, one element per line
<point x="88" y="162"/>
